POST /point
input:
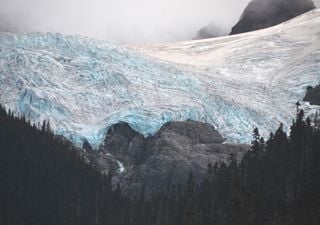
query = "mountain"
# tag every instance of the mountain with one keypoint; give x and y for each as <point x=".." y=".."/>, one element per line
<point x="84" y="86"/>
<point x="209" y="31"/>
<point x="261" y="14"/>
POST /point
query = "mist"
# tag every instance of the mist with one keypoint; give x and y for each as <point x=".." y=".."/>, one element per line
<point x="120" y="21"/>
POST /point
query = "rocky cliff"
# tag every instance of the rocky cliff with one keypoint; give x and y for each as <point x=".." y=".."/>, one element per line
<point x="166" y="158"/>
<point x="261" y="14"/>
<point x="313" y="95"/>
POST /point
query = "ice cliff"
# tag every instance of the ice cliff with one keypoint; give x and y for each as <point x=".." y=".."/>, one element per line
<point x="83" y="86"/>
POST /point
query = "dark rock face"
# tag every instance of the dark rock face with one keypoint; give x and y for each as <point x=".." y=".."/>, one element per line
<point x="86" y="146"/>
<point x="261" y="14"/>
<point x="313" y="95"/>
<point x="125" y="144"/>
<point x="104" y="162"/>
<point x="210" y="31"/>
<point x="166" y="158"/>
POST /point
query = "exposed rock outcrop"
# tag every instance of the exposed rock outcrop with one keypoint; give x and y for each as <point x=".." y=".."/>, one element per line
<point x="165" y="158"/>
<point x="261" y="14"/>
<point x="313" y="95"/>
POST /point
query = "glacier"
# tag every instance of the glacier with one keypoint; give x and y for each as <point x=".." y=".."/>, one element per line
<point x="83" y="86"/>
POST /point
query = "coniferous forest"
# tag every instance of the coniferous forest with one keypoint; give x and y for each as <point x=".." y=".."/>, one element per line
<point x="44" y="180"/>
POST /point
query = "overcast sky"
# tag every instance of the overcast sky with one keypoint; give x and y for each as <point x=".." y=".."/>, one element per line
<point x="120" y="21"/>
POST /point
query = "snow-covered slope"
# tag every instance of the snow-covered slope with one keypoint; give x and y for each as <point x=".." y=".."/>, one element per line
<point x="236" y="83"/>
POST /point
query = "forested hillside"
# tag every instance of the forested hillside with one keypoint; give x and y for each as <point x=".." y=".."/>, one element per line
<point x="44" y="180"/>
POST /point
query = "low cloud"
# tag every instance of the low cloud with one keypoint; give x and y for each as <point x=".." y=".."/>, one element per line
<point x="120" y="21"/>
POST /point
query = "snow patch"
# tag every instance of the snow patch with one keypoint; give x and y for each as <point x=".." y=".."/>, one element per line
<point x="121" y="167"/>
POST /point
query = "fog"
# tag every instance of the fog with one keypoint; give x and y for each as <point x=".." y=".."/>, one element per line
<point x="120" y="21"/>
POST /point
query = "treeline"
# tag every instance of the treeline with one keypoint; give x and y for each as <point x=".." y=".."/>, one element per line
<point x="44" y="180"/>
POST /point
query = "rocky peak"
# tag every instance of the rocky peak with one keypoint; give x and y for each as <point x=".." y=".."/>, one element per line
<point x="261" y="14"/>
<point x="209" y="31"/>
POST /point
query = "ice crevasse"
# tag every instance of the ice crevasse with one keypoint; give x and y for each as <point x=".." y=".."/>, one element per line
<point x="83" y="86"/>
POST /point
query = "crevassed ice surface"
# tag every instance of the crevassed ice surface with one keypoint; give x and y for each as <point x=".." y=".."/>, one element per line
<point x="83" y="86"/>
